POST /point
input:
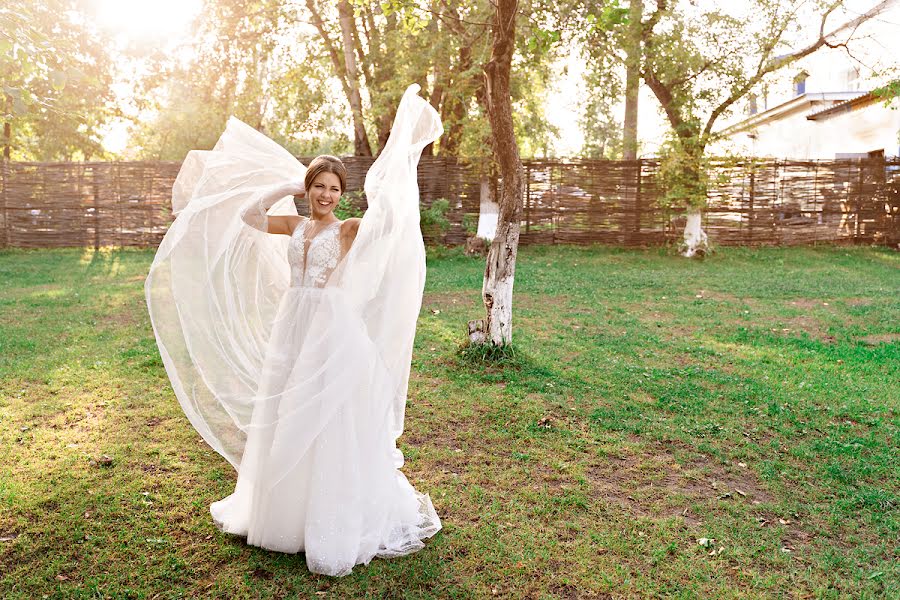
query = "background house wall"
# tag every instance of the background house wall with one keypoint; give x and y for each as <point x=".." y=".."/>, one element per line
<point x="773" y="123"/>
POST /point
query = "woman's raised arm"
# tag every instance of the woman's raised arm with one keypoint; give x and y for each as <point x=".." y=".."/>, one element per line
<point x="255" y="214"/>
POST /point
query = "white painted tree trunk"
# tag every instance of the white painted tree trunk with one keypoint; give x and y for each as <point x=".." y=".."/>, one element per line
<point x="488" y="213"/>
<point x="695" y="240"/>
<point x="497" y="288"/>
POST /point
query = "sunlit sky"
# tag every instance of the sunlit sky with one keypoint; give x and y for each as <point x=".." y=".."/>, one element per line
<point x="167" y="24"/>
<point x="162" y="23"/>
<point x="143" y="19"/>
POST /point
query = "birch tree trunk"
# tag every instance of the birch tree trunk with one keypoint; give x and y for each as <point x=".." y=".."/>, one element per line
<point x="500" y="267"/>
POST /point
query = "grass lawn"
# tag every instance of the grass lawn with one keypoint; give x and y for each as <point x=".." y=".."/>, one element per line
<point x="750" y="402"/>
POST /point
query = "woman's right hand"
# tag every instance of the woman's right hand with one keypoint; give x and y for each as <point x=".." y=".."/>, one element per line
<point x="298" y="189"/>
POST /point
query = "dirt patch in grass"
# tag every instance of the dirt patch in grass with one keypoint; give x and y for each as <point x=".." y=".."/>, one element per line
<point x="724" y="297"/>
<point x="808" y="325"/>
<point x="805" y="303"/>
<point x="126" y="315"/>
<point x="858" y="301"/>
<point x="443" y="300"/>
<point x="654" y="483"/>
<point x="540" y="302"/>
<point x="880" y="338"/>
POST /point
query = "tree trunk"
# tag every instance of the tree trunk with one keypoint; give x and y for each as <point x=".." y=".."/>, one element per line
<point x="695" y="240"/>
<point x="630" y="221"/>
<point x="7" y="130"/>
<point x="488" y="213"/>
<point x="499" y="272"/>
<point x="7" y="140"/>
<point x="632" y="80"/>
<point x="361" y="145"/>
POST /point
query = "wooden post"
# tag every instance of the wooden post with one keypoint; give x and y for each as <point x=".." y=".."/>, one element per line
<point x="149" y="204"/>
<point x="95" y="191"/>
<point x="859" y="188"/>
<point x="554" y="219"/>
<point x="636" y="226"/>
<point x="752" y="194"/>
<point x="527" y="196"/>
<point x="4" y="179"/>
<point x="819" y="219"/>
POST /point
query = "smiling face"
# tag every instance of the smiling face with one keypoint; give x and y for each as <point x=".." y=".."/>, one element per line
<point x="325" y="181"/>
<point x="323" y="194"/>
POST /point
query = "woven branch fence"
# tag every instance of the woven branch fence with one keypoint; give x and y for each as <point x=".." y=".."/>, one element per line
<point x="754" y="202"/>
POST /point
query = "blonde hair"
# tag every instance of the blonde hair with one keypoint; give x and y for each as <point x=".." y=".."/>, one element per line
<point x="326" y="163"/>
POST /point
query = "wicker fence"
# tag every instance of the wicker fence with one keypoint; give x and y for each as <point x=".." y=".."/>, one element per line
<point x="762" y="202"/>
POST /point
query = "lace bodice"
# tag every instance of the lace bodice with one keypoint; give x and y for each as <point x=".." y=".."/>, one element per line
<point x="312" y="261"/>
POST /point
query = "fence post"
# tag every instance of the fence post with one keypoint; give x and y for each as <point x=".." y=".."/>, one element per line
<point x="636" y="226"/>
<point x="527" y="197"/>
<point x="4" y="179"/>
<point x="819" y="217"/>
<point x="750" y="213"/>
<point x="95" y="192"/>
<point x="859" y="193"/>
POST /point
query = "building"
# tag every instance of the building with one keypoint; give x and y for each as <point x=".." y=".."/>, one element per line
<point x="823" y="107"/>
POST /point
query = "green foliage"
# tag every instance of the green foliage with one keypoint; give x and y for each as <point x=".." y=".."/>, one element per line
<point x="349" y="206"/>
<point x="470" y="224"/>
<point x="601" y="128"/>
<point x="888" y="92"/>
<point x="608" y="16"/>
<point x="684" y="174"/>
<point x="262" y="63"/>
<point x="56" y="75"/>
<point x="255" y="62"/>
<point x="433" y="219"/>
<point x="541" y="41"/>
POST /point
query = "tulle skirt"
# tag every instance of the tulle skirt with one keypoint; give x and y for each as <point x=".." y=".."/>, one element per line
<point x="320" y="469"/>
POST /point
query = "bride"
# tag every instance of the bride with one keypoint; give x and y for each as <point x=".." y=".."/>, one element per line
<point x="288" y="340"/>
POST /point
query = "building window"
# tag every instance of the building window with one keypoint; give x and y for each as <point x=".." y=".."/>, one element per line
<point x="800" y="83"/>
<point x="851" y="79"/>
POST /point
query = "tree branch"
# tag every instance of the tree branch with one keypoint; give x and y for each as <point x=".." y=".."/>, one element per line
<point x="336" y="60"/>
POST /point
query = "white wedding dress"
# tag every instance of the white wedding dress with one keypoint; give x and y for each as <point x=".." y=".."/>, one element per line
<point x="292" y="361"/>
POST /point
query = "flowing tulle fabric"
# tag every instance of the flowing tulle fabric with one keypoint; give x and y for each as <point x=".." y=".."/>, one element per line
<point x="301" y="389"/>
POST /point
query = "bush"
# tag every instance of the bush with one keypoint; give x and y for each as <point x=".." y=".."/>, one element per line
<point x="349" y="206"/>
<point x="434" y="221"/>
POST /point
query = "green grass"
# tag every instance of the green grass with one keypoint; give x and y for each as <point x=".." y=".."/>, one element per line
<point x="650" y="401"/>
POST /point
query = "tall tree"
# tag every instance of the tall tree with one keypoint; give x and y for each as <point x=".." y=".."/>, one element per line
<point x="344" y="62"/>
<point x="499" y="273"/>
<point x="377" y="48"/>
<point x="442" y="45"/>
